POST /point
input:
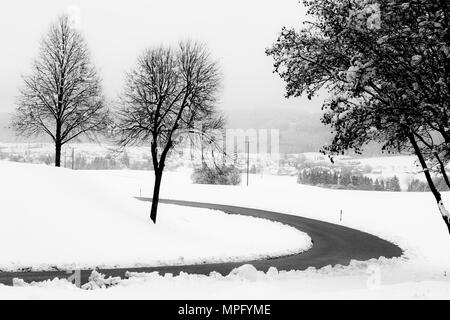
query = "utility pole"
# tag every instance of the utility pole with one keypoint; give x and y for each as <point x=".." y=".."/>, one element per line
<point x="202" y="149"/>
<point x="248" y="158"/>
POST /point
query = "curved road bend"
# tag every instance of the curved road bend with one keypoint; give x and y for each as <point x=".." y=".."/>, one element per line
<point x="333" y="244"/>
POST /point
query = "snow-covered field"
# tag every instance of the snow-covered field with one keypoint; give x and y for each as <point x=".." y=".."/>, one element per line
<point x="68" y="219"/>
<point x="408" y="219"/>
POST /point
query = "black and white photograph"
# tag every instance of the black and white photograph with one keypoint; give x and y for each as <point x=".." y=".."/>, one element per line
<point x="215" y="151"/>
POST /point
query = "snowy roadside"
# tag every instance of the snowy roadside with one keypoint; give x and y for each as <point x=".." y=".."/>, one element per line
<point x="60" y="219"/>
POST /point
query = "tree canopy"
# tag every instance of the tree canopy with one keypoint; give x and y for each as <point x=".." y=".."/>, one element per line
<point x="385" y="65"/>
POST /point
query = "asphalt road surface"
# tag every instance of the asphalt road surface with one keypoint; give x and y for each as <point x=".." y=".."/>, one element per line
<point x="333" y="244"/>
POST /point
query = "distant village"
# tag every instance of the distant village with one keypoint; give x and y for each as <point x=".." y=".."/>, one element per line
<point x="377" y="174"/>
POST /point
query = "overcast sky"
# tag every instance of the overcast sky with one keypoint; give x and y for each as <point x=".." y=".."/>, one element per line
<point x="236" y="32"/>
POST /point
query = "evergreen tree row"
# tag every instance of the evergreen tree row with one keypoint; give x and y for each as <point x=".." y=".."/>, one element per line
<point x="346" y="179"/>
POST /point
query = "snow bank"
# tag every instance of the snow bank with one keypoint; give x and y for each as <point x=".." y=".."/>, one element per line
<point x="58" y="218"/>
<point x="374" y="279"/>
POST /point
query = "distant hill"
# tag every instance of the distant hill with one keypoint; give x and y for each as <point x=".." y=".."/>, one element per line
<point x="299" y="131"/>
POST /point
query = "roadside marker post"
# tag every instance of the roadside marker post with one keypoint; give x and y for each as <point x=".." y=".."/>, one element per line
<point x="248" y="158"/>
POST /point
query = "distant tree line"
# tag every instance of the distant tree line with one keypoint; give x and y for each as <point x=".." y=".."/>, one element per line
<point x="346" y="179"/>
<point x="110" y="162"/>
<point x="83" y="162"/>
<point x="420" y="186"/>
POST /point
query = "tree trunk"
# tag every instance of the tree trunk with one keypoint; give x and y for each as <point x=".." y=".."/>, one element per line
<point x="58" y="144"/>
<point x="442" y="169"/>
<point x="437" y="195"/>
<point x="155" y="199"/>
<point x="58" y="154"/>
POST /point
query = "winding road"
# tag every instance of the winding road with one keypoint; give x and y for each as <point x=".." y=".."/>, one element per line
<point x="333" y="244"/>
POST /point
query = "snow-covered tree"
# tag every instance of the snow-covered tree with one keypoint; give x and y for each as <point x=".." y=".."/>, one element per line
<point x="62" y="97"/>
<point x="170" y="93"/>
<point x="386" y="66"/>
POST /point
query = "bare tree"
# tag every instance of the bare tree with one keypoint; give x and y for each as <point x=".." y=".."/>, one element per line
<point x="167" y="95"/>
<point x="62" y="97"/>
